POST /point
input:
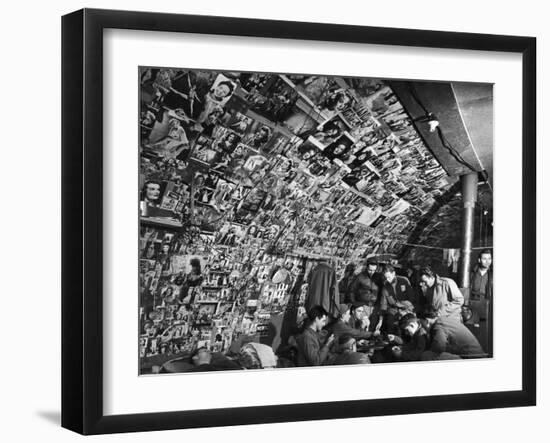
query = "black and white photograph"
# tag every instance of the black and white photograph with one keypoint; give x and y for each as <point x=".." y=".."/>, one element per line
<point x="276" y="221"/>
<point x="341" y="242"/>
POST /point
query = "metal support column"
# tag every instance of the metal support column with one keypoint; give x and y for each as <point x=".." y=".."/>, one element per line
<point x="469" y="198"/>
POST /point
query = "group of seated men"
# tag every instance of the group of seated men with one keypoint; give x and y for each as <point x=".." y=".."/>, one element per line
<point x="383" y="318"/>
<point x="408" y="323"/>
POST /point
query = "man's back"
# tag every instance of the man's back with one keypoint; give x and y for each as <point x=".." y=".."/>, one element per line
<point x="450" y="335"/>
<point x="350" y="358"/>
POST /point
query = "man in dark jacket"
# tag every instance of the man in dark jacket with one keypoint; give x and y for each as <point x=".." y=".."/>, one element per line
<point x="366" y="284"/>
<point x="481" y="279"/>
<point x="396" y="289"/>
<point x="365" y="289"/>
<point x="345" y="284"/>
<point x="449" y="339"/>
<point x="481" y="296"/>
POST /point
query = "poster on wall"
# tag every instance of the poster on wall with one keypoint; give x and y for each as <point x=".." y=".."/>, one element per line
<point x="264" y="195"/>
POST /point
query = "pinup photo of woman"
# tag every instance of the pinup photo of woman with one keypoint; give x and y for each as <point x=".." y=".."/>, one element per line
<point x="152" y="193"/>
<point x="219" y="94"/>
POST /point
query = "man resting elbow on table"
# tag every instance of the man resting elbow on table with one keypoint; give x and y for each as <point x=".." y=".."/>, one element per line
<point x="342" y="325"/>
<point x="416" y="339"/>
<point x="346" y="353"/>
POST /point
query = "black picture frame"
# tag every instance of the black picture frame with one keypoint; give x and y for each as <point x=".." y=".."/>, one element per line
<point x="82" y="219"/>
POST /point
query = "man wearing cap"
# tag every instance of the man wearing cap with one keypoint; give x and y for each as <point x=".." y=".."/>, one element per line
<point x="415" y="339"/>
<point x="395" y="292"/>
<point x="442" y="295"/>
<point x="450" y="339"/>
<point x="365" y="290"/>
<point x="342" y="325"/>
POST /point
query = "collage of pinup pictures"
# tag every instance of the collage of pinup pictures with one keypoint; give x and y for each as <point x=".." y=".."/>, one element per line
<point x="247" y="179"/>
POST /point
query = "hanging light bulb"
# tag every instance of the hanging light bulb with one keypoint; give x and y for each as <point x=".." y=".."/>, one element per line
<point x="433" y="123"/>
<point x="431" y="119"/>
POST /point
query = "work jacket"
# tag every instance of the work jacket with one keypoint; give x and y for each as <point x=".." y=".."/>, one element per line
<point x="449" y="335"/>
<point x="445" y="299"/>
<point x="391" y="297"/>
<point x="311" y="349"/>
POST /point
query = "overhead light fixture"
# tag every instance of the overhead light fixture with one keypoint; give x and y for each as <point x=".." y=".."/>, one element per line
<point x="433" y="125"/>
<point x="431" y="119"/>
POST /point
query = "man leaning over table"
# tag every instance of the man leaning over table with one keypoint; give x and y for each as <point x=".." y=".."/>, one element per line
<point x="442" y="295"/>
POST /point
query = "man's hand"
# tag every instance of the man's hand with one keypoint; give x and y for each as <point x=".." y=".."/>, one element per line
<point x="395" y="339"/>
<point x="330" y="339"/>
<point x="396" y="351"/>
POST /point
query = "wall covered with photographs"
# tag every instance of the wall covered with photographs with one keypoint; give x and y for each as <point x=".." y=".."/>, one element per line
<point x="248" y="179"/>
